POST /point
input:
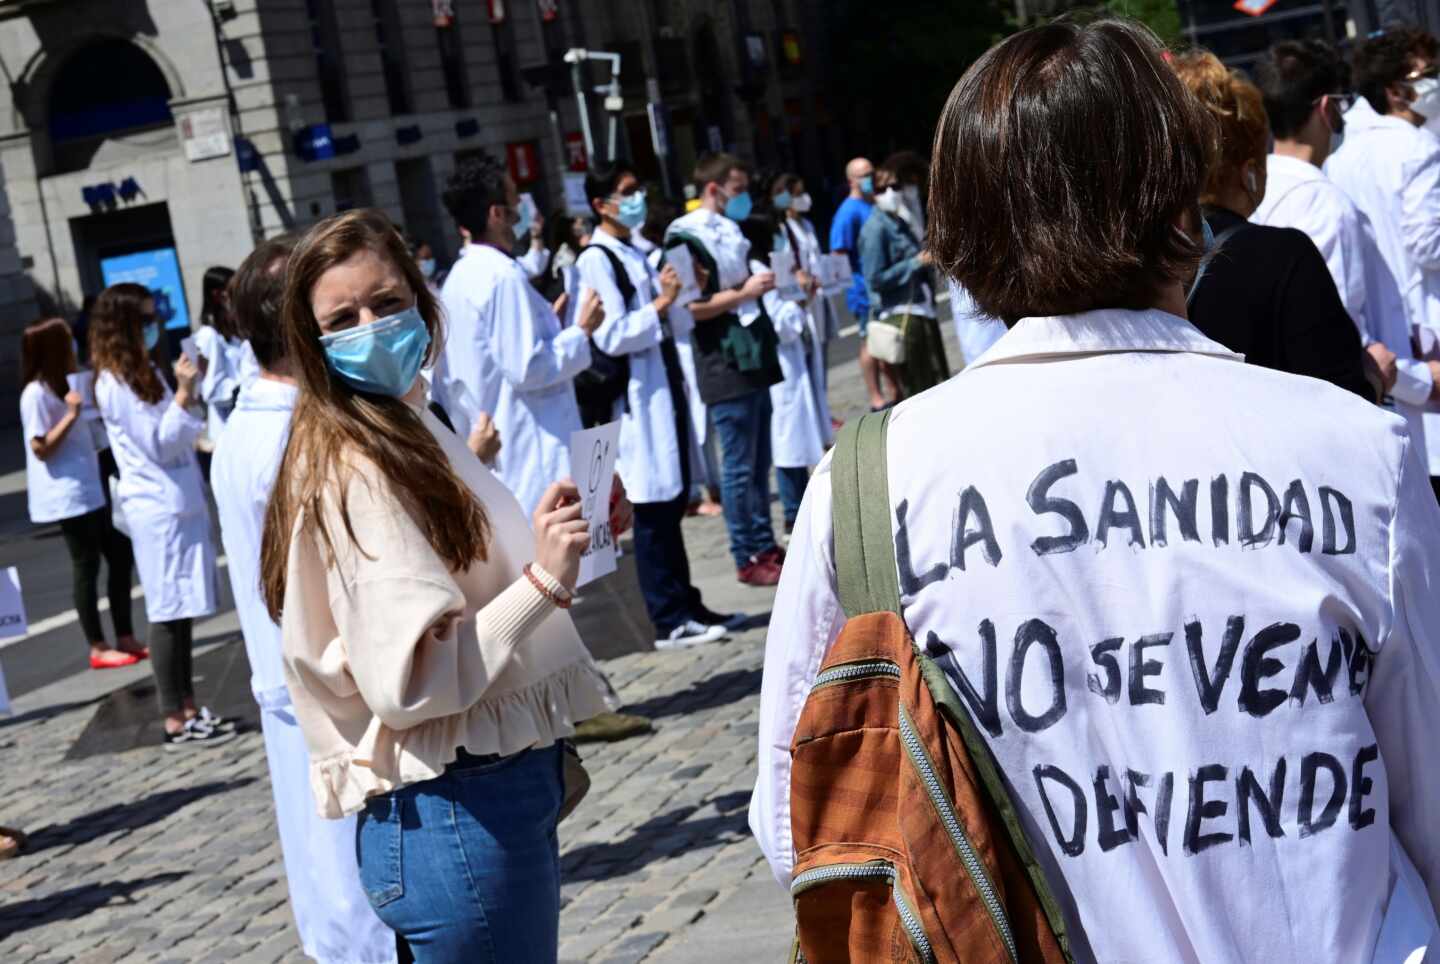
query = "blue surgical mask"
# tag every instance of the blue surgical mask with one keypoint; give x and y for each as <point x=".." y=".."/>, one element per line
<point x="782" y="201"/>
<point x="152" y="335"/>
<point x="382" y="358"/>
<point x="738" y="207"/>
<point x="867" y="184"/>
<point x="427" y="267"/>
<point x="632" y="210"/>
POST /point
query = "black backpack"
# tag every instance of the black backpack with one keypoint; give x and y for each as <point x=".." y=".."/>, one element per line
<point x="600" y="386"/>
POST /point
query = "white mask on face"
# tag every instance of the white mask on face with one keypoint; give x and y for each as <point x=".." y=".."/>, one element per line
<point x="1427" y="97"/>
<point x="888" y="200"/>
<point x="801" y="204"/>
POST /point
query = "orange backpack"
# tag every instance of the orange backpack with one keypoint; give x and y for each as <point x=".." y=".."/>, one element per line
<point x="907" y="845"/>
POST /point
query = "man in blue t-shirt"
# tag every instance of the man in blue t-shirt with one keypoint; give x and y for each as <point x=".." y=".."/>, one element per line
<point x="854" y="211"/>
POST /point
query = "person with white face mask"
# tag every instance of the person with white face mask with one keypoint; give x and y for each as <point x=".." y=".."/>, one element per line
<point x="1390" y="168"/>
<point x="1300" y="82"/>
<point x="507" y="353"/>
<point x="823" y="322"/>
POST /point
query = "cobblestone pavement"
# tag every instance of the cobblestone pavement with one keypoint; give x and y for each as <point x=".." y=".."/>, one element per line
<point x="147" y="856"/>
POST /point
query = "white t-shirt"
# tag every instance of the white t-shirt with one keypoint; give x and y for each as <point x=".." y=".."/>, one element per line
<point x="67" y="484"/>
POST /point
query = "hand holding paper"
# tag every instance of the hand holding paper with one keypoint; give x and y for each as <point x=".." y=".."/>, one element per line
<point x="592" y="464"/>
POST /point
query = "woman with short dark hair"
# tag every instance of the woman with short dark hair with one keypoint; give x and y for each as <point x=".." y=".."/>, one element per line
<point x="1265" y="292"/>
<point x="1188" y="603"/>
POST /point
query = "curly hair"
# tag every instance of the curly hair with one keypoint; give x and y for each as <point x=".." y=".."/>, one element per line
<point x="335" y="428"/>
<point x="473" y="189"/>
<point x="1033" y="212"/>
<point x="1241" y="128"/>
<point x="117" y="339"/>
<point x="1386" y="60"/>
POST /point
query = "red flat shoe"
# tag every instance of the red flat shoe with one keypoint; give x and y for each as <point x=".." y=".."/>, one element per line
<point x="112" y="659"/>
<point x="142" y="653"/>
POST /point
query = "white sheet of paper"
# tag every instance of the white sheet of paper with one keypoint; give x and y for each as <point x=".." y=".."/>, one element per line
<point x="188" y="349"/>
<point x="592" y="466"/>
<point x="83" y="384"/>
<point x="4" y="695"/>
<point x="835" y="276"/>
<point x="783" y="264"/>
<point x="684" y="264"/>
<point x="12" y="604"/>
<point x="576" y="203"/>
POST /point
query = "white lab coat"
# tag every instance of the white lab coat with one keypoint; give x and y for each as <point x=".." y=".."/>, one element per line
<point x="1299" y="195"/>
<point x="1390" y="169"/>
<point x="1129" y="633"/>
<point x="975" y="330"/>
<point x="506" y="354"/>
<point x="535" y="259"/>
<point x="824" y="320"/>
<point x="650" y="450"/>
<point x="799" y="419"/>
<point x="682" y="327"/>
<point x="332" y="914"/>
<point x="222" y="378"/>
<point x="162" y="497"/>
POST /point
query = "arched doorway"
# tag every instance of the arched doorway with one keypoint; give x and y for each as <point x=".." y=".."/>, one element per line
<point x="107" y="88"/>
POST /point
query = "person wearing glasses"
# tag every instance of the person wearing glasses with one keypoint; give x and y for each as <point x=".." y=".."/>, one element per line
<point x="1390" y="168"/>
<point x="1301" y="82"/>
<point x="1263" y="292"/>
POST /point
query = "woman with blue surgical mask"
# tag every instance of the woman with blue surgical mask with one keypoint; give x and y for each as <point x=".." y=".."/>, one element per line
<point x="160" y="497"/>
<point x="433" y="669"/>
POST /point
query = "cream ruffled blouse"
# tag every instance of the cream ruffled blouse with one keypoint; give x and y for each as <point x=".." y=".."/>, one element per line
<point x="394" y="662"/>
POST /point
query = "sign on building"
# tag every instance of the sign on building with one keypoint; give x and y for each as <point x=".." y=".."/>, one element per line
<point x="575" y="157"/>
<point x="524" y="165"/>
<point x="205" y="134"/>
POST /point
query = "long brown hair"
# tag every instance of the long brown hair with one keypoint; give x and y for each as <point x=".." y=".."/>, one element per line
<point x="117" y="339"/>
<point x="47" y="353"/>
<point x="333" y="423"/>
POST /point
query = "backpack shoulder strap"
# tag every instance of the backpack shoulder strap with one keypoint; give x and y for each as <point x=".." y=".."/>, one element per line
<point x="860" y="514"/>
<point x="622" y="277"/>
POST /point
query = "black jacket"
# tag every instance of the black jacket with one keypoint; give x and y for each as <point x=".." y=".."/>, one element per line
<point x="1267" y="294"/>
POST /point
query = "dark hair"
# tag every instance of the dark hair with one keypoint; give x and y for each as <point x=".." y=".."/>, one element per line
<point x="256" y="294"/>
<point x="117" y="339"/>
<point x="340" y="436"/>
<point x="715" y="169"/>
<point x="472" y="190"/>
<point x="908" y="167"/>
<point x="213" y="310"/>
<point x="1384" y="60"/>
<point x="47" y="353"/>
<point x="658" y="216"/>
<point x="1292" y="76"/>
<point x="1034" y="212"/>
<point x="560" y="229"/>
<point x="602" y="179"/>
<point x="759" y="229"/>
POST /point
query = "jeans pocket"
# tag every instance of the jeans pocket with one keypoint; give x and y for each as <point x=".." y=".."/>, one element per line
<point x="378" y="834"/>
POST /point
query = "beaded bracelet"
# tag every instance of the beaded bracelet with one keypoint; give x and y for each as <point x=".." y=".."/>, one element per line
<point x="560" y="602"/>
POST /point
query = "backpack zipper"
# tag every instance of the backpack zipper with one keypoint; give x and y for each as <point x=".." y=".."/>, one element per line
<point x="849" y="672"/>
<point x="973" y="865"/>
<point x="881" y="869"/>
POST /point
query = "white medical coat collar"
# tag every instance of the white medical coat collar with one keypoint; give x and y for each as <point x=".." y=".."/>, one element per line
<point x="1098" y="332"/>
<point x="1294" y="167"/>
<point x="1361" y="116"/>
<point x="267" y="395"/>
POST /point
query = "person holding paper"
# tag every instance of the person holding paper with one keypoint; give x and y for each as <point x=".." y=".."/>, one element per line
<point x="736" y="349"/>
<point x="507" y="354"/>
<point x="64" y="484"/>
<point x="332" y="914"/>
<point x="534" y="257"/>
<point x="161" y="496"/>
<point x="654" y="457"/>
<point x="901" y="285"/>
<point x="800" y="419"/>
<point x="432" y="667"/>
<point x="823" y="323"/>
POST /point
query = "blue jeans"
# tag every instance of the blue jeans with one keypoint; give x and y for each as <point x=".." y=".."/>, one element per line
<point x="791" y="483"/>
<point x="743" y="426"/>
<point x="466" y="867"/>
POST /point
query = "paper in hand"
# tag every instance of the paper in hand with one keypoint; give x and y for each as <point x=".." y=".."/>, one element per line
<point x="783" y="264"/>
<point x="190" y="350"/>
<point x="83" y="384"/>
<point x="592" y="466"/>
<point x="12" y="604"/>
<point x="683" y="262"/>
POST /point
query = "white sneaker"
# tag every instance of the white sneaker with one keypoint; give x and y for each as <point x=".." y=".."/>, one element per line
<point x="691" y="634"/>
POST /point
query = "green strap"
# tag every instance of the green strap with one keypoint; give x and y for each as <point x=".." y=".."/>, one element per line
<point x="860" y="510"/>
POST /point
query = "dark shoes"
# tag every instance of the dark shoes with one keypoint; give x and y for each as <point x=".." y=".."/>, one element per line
<point x="609" y="727"/>
<point x="759" y="571"/>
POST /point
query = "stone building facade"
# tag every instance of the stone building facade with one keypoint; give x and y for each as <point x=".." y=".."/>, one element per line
<point x="151" y="139"/>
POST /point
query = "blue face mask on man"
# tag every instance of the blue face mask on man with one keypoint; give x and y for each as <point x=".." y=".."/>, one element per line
<point x="631" y="210"/>
<point x="738" y="208"/>
<point x="867" y="184"/>
<point x="782" y="201"/>
<point x="382" y="358"/>
<point x="151" y="334"/>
